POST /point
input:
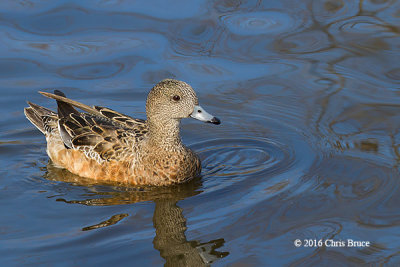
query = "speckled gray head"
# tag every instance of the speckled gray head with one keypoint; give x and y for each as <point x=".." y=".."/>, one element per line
<point x="173" y="99"/>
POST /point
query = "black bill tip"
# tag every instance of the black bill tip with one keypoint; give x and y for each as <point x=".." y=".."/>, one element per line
<point x="215" y="120"/>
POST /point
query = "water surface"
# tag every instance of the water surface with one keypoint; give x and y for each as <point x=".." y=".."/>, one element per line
<point x="308" y="148"/>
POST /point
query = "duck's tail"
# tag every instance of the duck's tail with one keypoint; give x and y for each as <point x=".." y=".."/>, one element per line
<point x="38" y="115"/>
<point x="45" y="119"/>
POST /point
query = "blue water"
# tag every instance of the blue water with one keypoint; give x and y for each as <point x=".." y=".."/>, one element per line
<point x="308" y="148"/>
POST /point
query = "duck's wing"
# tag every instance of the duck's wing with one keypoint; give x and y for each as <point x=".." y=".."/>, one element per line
<point x="126" y="120"/>
<point x="102" y="134"/>
<point x="61" y="98"/>
<point x="99" y="111"/>
<point x="99" y="138"/>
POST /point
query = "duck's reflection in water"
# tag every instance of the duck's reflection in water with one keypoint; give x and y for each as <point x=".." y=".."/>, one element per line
<point x="171" y="241"/>
<point x="168" y="219"/>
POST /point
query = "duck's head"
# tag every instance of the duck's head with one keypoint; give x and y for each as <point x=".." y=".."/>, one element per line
<point x="172" y="99"/>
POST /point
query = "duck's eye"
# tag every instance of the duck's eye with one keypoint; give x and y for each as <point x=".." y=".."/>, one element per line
<point x="176" y="98"/>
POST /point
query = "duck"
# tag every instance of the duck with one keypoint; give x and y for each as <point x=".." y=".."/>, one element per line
<point x="107" y="146"/>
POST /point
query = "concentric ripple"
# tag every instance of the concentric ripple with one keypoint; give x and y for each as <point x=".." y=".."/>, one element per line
<point x="240" y="173"/>
<point x="230" y="162"/>
<point x="242" y="157"/>
<point x="254" y="23"/>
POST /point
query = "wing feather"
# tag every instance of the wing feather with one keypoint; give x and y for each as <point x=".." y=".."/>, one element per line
<point x="123" y="119"/>
<point x="99" y="138"/>
<point x="102" y="134"/>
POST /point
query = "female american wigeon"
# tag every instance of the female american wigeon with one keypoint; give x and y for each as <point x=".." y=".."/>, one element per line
<point x="105" y="145"/>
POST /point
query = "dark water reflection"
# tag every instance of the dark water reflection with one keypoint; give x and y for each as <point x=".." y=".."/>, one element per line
<point x="308" y="149"/>
<point x="168" y="219"/>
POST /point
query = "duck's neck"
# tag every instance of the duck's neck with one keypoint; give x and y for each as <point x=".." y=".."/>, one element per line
<point x="164" y="134"/>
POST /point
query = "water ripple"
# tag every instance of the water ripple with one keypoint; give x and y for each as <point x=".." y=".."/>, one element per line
<point x="328" y="11"/>
<point x="156" y="8"/>
<point x="305" y="42"/>
<point x="63" y="21"/>
<point x="393" y="74"/>
<point x="362" y="25"/>
<point x="218" y="69"/>
<point x="247" y="171"/>
<point x="255" y="23"/>
<point x="188" y="38"/>
<point x="16" y="67"/>
<point x="236" y="159"/>
<point x="91" y="46"/>
<point x="91" y="71"/>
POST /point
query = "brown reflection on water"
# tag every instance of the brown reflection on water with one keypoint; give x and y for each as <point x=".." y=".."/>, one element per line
<point x="171" y="241"/>
<point x="113" y="220"/>
<point x="168" y="220"/>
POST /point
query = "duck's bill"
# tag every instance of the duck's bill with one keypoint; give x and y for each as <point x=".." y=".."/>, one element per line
<point x="200" y="114"/>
